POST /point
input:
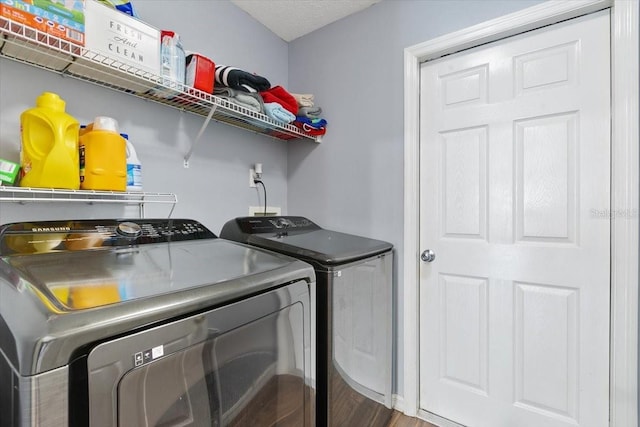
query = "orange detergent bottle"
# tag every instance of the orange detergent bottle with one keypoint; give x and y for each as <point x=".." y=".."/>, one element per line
<point x="103" y="156"/>
<point x="49" y="149"/>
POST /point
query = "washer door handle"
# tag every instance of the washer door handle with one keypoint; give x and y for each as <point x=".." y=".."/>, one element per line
<point x="428" y="255"/>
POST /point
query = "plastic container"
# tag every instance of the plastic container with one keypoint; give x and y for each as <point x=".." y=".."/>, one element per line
<point x="172" y="58"/>
<point x="134" y="167"/>
<point x="200" y="72"/>
<point x="49" y="149"/>
<point x="103" y="156"/>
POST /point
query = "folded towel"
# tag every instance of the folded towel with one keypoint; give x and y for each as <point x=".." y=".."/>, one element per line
<point x="309" y="129"/>
<point x="277" y="112"/>
<point x="314" y="123"/>
<point x="252" y="101"/>
<point x="235" y="101"/>
<point x="311" y="112"/>
<point x="303" y="99"/>
<point x="224" y="91"/>
<point x="281" y="96"/>
<point x="241" y="80"/>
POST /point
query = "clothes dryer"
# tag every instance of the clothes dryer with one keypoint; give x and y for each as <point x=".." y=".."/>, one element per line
<point x="353" y="313"/>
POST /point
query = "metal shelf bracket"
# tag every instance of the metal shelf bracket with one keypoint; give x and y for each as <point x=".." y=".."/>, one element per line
<point x="200" y="132"/>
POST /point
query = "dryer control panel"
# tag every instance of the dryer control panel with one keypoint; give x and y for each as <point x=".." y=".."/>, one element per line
<point x="54" y="236"/>
<point x="274" y="224"/>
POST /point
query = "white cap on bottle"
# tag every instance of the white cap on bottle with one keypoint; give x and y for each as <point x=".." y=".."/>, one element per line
<point x="105" y="123"/>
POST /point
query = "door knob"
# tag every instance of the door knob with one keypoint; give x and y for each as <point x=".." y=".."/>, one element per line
<point x="428" y="255"/>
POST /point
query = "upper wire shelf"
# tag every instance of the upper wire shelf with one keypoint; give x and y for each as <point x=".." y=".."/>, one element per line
<point x="28" y="45"/>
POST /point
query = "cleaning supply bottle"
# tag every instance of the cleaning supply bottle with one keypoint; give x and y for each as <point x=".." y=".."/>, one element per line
<point x="172" y="55"/>
<point x="134" y="167"/>
<point x="103" y="156"/>
<point x="49" y="149"/>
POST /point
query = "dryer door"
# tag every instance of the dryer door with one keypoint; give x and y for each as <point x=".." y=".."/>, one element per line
<point x="247" y="363"/>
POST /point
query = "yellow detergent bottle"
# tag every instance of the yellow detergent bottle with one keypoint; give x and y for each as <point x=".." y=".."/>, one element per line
<point x="49" y="149"/>
<point x="103" y="156"/>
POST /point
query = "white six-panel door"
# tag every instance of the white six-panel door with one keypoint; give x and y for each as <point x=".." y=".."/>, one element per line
<point x="514" y="201"/>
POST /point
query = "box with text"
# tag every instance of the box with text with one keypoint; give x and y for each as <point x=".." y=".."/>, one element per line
<point x="64" y="19"/>
<point x="121" y="37"/>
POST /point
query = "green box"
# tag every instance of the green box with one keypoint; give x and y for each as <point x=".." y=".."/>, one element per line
<point x="8" y="172"/>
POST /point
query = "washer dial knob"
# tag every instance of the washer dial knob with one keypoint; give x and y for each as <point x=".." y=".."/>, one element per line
<point x="129" y="229"/>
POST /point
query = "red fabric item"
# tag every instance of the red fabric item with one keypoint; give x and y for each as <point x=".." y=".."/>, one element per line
<point x="281" y="96"/>
<point x="282" y="135"/>
<point x="310" y="129"/>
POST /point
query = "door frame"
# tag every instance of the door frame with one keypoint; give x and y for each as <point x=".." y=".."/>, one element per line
<point x="625" y="186"/>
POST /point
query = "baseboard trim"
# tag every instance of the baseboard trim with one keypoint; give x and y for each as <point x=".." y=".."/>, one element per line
<point x="397" y="403"/>
<point x="437" y="420"/>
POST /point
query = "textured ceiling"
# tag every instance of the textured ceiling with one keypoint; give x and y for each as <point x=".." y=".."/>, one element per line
<point x="290" y="19"/>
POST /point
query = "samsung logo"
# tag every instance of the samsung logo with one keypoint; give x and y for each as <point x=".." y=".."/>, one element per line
<point x="49" y="229"/>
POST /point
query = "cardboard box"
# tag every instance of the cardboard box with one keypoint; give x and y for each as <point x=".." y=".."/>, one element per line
<point x="121" y="37"/>
<point x="64" y="19"/>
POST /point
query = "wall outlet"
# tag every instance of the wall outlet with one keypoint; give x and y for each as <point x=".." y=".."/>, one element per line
<point x="252" y="175"/>
<point x="259" y="211"/>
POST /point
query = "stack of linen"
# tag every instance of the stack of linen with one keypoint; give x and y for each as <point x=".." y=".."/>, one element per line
<point x="308" y="117"/>
<point x="255" y="93"/>
<point x="240" y="87"/>
<point x="279" y="104"/>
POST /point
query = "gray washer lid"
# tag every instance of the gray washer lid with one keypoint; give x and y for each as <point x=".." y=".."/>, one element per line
<point x="322" y="246"/>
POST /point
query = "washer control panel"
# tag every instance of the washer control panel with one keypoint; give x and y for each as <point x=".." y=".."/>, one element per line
<point x="54" y="236"/>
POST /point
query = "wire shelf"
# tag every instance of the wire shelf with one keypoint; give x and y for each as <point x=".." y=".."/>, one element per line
<point x="30" y="46"/>
<point x="27" y="194"/>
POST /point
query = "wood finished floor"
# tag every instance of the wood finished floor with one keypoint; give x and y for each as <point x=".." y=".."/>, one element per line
<point x="350" y="409"/>
<point x="279" y="404"/>
<point x="401" y="420"/>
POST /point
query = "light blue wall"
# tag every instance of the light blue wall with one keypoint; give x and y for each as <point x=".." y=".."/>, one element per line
<point x="215" y="187"/>
<point x="353" y="180"/>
